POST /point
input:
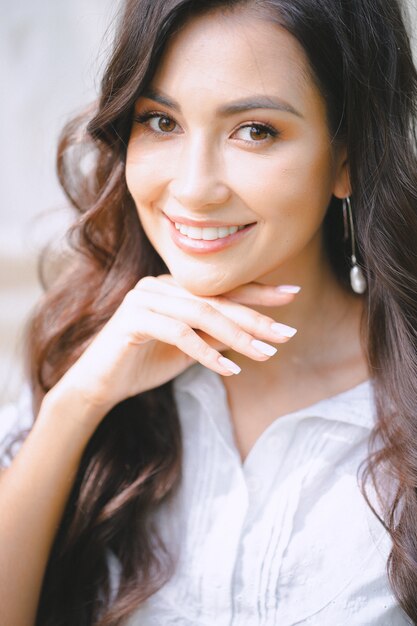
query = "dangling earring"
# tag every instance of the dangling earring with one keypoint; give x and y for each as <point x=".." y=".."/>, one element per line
<point x="357" y="279"/>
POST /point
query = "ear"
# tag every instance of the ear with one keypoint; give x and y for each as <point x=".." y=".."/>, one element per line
<point x="342" y="187"/>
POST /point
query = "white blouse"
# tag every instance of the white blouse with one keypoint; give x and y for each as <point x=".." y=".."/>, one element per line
<point x="284" y="539"/>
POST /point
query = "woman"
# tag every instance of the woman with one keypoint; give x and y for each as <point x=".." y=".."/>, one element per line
<point x="250" y="173"/>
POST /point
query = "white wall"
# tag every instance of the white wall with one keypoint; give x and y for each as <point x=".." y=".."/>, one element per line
<point x="50" y="54"/>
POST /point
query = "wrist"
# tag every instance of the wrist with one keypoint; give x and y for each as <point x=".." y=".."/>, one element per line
<point x="74" y="409"/>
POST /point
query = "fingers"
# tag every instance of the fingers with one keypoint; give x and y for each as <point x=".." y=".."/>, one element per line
<point x="251" y="321"/>
<point x="177" y="333"/>
<point x="257" y="323"/>
<point x="251" y="293"/>
<point x="264" y="295"/>
<point x="201" y="326"/>
<point x="190" y="314"/>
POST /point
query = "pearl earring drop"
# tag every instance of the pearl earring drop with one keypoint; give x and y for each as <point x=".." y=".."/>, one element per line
<point x="357" y="278"/>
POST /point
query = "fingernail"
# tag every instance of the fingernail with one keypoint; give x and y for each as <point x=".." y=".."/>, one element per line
<point x="289" y="289"/>
<point x="263" y="348"/>
<point x="229" y="365"/>
<point x="282" y="330"/>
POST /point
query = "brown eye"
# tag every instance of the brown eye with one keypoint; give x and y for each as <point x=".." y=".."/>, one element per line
<point x="166" y="125"/>
<point x="259" y="133"/>
<point x="256" y="133"/>
<point x="157" y="123"/>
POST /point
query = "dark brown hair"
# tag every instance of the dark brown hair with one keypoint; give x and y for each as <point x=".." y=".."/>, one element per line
<point x="360" y="55"/>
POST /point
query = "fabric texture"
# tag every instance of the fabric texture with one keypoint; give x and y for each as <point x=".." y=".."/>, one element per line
<point x="284" y="538"/>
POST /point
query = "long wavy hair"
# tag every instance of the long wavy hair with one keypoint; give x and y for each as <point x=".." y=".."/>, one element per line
<point x="360" y="57"/>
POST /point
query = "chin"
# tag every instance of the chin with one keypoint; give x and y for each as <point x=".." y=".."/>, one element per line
<point x="204" y="286"/>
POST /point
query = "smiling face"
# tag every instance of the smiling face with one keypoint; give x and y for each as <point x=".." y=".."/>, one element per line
<point x="232" y="135"/>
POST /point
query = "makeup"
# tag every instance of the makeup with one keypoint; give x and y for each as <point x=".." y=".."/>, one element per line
<point x="202" y="246"/>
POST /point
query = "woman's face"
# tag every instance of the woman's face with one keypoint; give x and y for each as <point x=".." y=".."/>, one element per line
<point x="233" y="133"/>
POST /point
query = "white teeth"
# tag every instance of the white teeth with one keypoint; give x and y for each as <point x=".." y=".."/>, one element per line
<point x="194" y="233"/>
<point x="223" y="231"/>
<point x="207" y="234"/>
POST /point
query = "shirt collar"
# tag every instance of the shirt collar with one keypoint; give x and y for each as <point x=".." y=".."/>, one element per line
<point x="354" y="406"/>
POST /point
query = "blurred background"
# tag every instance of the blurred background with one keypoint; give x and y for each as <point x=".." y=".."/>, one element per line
<point x="51" y="57"/>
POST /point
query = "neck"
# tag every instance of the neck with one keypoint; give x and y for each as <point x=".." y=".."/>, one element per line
<point x="327" y="318"/>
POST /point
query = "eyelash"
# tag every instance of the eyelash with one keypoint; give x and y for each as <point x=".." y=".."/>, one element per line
<point x="145" y="116"/>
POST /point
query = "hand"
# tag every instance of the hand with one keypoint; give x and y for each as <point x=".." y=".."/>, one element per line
<point x="160" y="329"/>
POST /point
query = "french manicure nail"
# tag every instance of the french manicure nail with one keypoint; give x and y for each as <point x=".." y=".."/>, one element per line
<point x="289" y="289"/>
<point x="229" y="365"/>
<point x="263" y="348"/>
<point x="282" y="330"/>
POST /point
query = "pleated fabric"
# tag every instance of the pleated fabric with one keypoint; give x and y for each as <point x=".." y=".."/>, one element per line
<point x="282" y="539"/>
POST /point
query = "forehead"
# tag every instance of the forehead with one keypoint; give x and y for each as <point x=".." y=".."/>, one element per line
<point x="235" y="53"/>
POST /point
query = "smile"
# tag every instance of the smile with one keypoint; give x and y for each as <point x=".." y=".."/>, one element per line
<point x="207" y="234"/>
<point x="205" y="240"/>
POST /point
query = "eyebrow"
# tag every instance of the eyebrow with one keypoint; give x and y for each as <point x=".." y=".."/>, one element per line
<point x="238" y="106"/>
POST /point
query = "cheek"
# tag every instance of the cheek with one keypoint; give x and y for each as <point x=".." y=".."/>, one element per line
<point x="145" y="173"/>
<point x="296" y="179"/>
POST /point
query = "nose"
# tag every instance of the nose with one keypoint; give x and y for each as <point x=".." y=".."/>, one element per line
<point x="198" y="180"/>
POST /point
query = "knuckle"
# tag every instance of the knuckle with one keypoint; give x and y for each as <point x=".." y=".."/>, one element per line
<point x="217" y="300"/>
<point x="206" y="353"/>
<point x="130" y="298"/>
<point x="239" y="336"/>
<point x="203" y="308"/>
<point x="134" y="299"/>
<point x="183" y="331"/>
<point x="146" y="281"/>
<point x="260" y="323"/>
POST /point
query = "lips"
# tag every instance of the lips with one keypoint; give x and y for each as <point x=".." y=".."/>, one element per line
<point x="202" y="223"/>
<point x="202" y="240"/>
